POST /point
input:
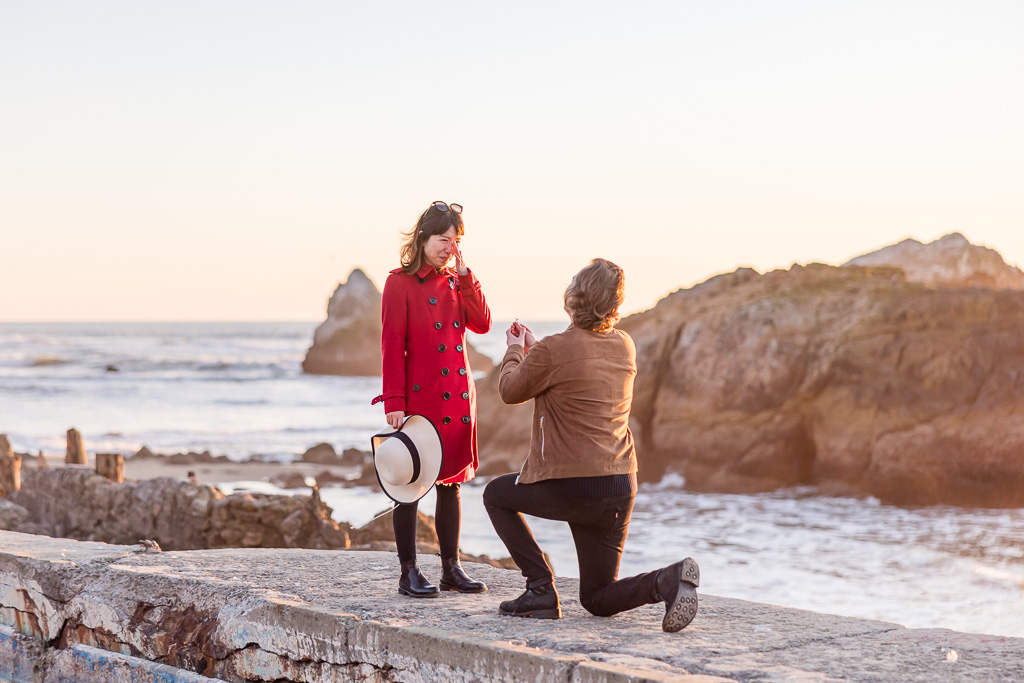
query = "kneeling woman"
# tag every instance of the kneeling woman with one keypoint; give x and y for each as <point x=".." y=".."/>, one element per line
<point x="425" y="311"/>
<point x="582" y="463"/>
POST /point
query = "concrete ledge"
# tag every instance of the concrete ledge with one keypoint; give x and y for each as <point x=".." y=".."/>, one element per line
<point x="24" y="659"/>
<point x="327" y="616"/>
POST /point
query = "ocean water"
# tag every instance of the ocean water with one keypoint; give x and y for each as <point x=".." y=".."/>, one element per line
<point x="237" y="389"/>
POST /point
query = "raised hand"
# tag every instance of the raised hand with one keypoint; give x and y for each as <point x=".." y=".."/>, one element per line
<point x="460" y="262"/>
<point x="516" y="334"/>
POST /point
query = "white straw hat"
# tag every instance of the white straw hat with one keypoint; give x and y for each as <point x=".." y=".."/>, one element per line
<point x="408" y="461"/>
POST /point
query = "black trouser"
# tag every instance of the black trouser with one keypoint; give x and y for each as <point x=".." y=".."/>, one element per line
<point x="447" y="521"/>
<point x="599" y="527"/>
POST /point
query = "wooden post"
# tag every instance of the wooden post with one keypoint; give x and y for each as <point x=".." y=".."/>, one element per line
<point x="10" y="468"/>
<point x="76" y="449"/>
<point x="110" y="466"/>
<point x="41" y="463"/>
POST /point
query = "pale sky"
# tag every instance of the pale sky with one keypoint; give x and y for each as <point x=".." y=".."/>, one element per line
<point x="234" y="160"/>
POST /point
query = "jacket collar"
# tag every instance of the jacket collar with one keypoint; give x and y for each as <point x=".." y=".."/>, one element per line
<point x="427" y="269"/>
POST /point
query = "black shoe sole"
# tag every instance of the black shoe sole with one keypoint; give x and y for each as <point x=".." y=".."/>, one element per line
<point x="403" y="591"/>
<point x="684" y="608"/>
<point x="555" y="613"/>
<point x="453" y="587"/>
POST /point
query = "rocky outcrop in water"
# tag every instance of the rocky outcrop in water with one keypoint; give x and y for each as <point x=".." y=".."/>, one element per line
<point x="348" y="341"/>
<point x="851" y="379"/>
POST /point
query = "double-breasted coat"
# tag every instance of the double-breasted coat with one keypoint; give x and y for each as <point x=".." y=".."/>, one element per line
<point x="424" y="362"/>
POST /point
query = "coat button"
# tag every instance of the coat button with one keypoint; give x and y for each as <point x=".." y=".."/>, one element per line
<point x="446" y="395"/>
<point x="446" y="420"/>
<point x="457" y="324"/>
<point x="462" y="371"/>
<point x="433" y="300"/>
<point x="421" y="279"/>
<point x="441" y="348"/>
<point x="415" y="387"/>
<point x="451" y="285"/>
<point x="465" y="419"/>
<point x="465" y="394"/>
<point x="444" y="372"/>
<point x="458" y="347"/>
<point x="437" y="325"/>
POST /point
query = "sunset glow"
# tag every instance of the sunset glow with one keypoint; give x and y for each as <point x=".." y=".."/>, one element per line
<point x="235" y="161"/>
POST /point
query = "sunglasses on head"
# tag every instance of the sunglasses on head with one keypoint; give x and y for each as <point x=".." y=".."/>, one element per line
<point x="442" y="207"/>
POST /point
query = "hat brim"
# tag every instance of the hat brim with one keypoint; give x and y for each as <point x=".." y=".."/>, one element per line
<point x="425" y="435"/>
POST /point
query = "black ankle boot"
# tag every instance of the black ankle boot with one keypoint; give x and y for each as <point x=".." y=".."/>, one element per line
<point x="453" y="578"/>
<point x="677" y="586"/>
<point x="413" y="584"/>
<point x="539" y="600"/>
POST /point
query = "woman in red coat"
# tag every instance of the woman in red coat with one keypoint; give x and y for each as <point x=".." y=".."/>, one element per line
<point x="426" y="309"/>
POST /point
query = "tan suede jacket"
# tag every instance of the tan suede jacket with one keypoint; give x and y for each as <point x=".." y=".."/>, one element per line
<point x="582" y="385"/>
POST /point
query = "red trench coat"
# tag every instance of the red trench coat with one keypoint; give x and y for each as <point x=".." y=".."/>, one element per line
<point x="424" y="362"/>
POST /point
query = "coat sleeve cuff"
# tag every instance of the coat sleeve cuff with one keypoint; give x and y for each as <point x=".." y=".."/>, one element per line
<point x="394" y="403"/>
<point x="468" y="284"/>
<point x="516" y="353"/>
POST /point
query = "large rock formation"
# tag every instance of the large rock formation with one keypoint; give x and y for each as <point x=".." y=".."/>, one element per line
<point x="948" y="262"/>
<point x="348" y="341"/>
<point x="851" y="379"/>
<point x="75" y="502"/>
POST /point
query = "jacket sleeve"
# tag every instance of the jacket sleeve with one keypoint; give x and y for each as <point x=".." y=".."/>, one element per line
<point x="394" y="318"/>
<point x="475" y="309"/>
<point x="524" y="376"/>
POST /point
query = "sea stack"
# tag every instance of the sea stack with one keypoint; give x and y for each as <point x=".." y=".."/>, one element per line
<point x="348" y="341"/>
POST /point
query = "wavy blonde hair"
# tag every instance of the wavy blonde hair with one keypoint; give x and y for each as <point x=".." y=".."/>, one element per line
<point x="593" y="297"/>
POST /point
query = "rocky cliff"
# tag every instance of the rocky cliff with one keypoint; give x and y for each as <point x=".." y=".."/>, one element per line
<point x="852" y="379"/>
<point x="948" y="262"/>
<point x="348" y="341"/>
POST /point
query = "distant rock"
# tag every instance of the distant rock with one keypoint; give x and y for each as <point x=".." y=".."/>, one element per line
<point x="144" y="453"/>
<point x="948" y="262"/>
<point x="348" y="341"/>
<point x="322" y="453"/>
<point x="852" y="379"/>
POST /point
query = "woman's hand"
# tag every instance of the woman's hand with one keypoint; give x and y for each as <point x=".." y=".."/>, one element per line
<point x="530" y="339"/>
<point x="395" y="418"/>
<point x="460" y="263"/>
<point x="516" y="334"/>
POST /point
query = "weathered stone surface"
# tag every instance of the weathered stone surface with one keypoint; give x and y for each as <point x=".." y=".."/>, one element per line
<point x="75" y="502"/>
<point x="948" y="262"/>
<point x="348" y="341"/>
<point x="308" y="615"/>
<point x="848" y="378"/>
<point x="12" y="515"/>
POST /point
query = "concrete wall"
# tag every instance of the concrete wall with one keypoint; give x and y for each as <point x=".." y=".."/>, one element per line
<point x="95" y="612"/>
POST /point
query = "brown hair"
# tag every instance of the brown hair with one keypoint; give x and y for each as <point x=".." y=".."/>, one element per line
<point x="431" y="222"/>
<point x="593" y="297"/>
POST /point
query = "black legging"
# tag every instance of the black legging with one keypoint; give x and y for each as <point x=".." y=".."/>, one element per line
<point x="447" y="521"/>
